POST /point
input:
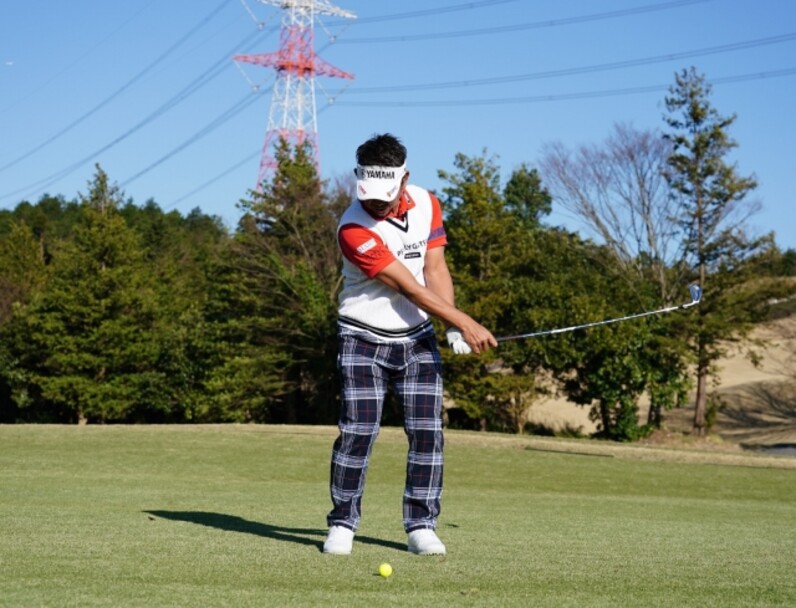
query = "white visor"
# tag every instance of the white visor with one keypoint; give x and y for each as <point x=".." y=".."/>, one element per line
<point x="379" y="183"/>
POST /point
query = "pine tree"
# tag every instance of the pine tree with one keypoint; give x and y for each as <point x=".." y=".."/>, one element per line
<point x="713" y="207"/>
<point x="22" y="268"/>
<point x="85" y="348"/>
<point x="285" y="270"/>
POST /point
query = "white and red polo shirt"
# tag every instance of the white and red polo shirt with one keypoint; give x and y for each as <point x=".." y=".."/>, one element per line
<point x="369" y="245"/>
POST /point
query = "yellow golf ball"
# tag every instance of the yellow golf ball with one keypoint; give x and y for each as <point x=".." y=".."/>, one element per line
<point x="385" y="570"/>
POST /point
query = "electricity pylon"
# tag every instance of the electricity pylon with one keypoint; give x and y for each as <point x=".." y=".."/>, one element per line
<point x="292" y="115"/>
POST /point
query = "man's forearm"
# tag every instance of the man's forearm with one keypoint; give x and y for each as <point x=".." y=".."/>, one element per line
<point x="441" y="284"/>
<point x="438" y="276"/>
<point x="435" y="303"/>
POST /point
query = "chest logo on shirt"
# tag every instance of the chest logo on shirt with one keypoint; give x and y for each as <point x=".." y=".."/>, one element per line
<point x="411" y="250"/>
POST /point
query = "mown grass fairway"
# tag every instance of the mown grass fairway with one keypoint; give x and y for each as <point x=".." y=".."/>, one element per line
<point x="234" y="516"/>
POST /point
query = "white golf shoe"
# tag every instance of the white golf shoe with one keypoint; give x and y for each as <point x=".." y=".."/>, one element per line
<point x="340" y="541"/>
<point x="425" y="542"/>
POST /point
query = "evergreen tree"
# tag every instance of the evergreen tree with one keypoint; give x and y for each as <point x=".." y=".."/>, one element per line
<point x="22" y="268"/>
<point x="285" y="273"/>
<point x="51" y="219"/>
<point x="713" y="207"/>
<point x="525" y="197"/>
<point x="481" y="237"/>
<point x="185" y="256"/>
<point x="85" y="348"/>
<point x="22" y="274"/>
<point x="495" y="253"/>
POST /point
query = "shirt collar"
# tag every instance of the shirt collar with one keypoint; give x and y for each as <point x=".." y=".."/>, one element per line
<point x="404" y="205"/>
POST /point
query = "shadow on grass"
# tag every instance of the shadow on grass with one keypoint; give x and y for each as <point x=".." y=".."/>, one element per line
<point x="760" y="413"/>
<point x="233" y="523"/>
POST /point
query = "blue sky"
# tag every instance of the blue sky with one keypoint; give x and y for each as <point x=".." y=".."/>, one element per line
<point x="148" y="89"/>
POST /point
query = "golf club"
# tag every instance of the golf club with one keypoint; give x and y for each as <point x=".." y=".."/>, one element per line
<point x="696" y="297"/>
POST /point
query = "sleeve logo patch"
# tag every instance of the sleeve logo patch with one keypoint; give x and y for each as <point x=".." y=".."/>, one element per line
<point x="366" y="246"/>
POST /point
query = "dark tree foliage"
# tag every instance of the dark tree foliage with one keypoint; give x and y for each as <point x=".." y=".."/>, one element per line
<point x="285" y="264"/>
<point x="112" y="312"/>
<point x="516" y="275"/>
<point x="83" y="349"/>
<point x="103" y="327"/>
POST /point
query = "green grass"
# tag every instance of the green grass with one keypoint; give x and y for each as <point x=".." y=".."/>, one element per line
<point x="235" y="516"/>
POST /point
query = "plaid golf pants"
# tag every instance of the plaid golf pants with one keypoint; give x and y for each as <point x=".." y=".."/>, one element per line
<point x="367" y="369"/>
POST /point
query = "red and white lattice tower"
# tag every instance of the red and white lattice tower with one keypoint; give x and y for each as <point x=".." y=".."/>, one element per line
<point x="292" y="115"/>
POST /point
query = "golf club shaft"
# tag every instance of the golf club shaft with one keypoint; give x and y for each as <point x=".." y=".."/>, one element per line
<point x="696" y="296"/>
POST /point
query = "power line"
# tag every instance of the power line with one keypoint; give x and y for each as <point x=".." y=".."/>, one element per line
<point x="725" y="48"/>
<point x="423" y="13"/>
<point x="240" y="105"/>
<point x="225" y="172"/>
<point x="200" y="81"/>
<point x="91" y="50"/>
<point x="215" y="178"/>
<point x="207" y="129"/>
<point x="500" y="101"/>
<point x="561" y="96"/>
<point x="118" y="92"/>
<point x="524" y="26"/>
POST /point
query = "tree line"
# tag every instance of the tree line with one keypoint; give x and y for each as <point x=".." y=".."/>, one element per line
<point x="116" y="313"/>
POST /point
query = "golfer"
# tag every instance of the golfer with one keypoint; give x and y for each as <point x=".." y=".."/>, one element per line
<point x="394" y="276"/>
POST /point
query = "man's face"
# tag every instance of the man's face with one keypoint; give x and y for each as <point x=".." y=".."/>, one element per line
<point x="381" y="208"/>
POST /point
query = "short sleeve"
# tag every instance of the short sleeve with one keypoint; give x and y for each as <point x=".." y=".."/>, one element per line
<point x="437" y="236"/>
<point x="364" y="249"/>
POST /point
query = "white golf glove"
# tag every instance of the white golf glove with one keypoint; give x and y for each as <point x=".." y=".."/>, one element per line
<point x="456" y="342"/>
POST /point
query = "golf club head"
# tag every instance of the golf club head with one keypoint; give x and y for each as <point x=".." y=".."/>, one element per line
<point x="696" y="294"/>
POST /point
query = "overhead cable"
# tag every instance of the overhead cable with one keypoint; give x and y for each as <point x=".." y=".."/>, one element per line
<point x="558" y="97"/>
<point x="502" y="29"/>
<point x="116" y="93"/>
<point x="713" y="50"/>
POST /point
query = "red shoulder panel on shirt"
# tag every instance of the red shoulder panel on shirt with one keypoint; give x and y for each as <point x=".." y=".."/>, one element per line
<point x="364" y="249"/>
